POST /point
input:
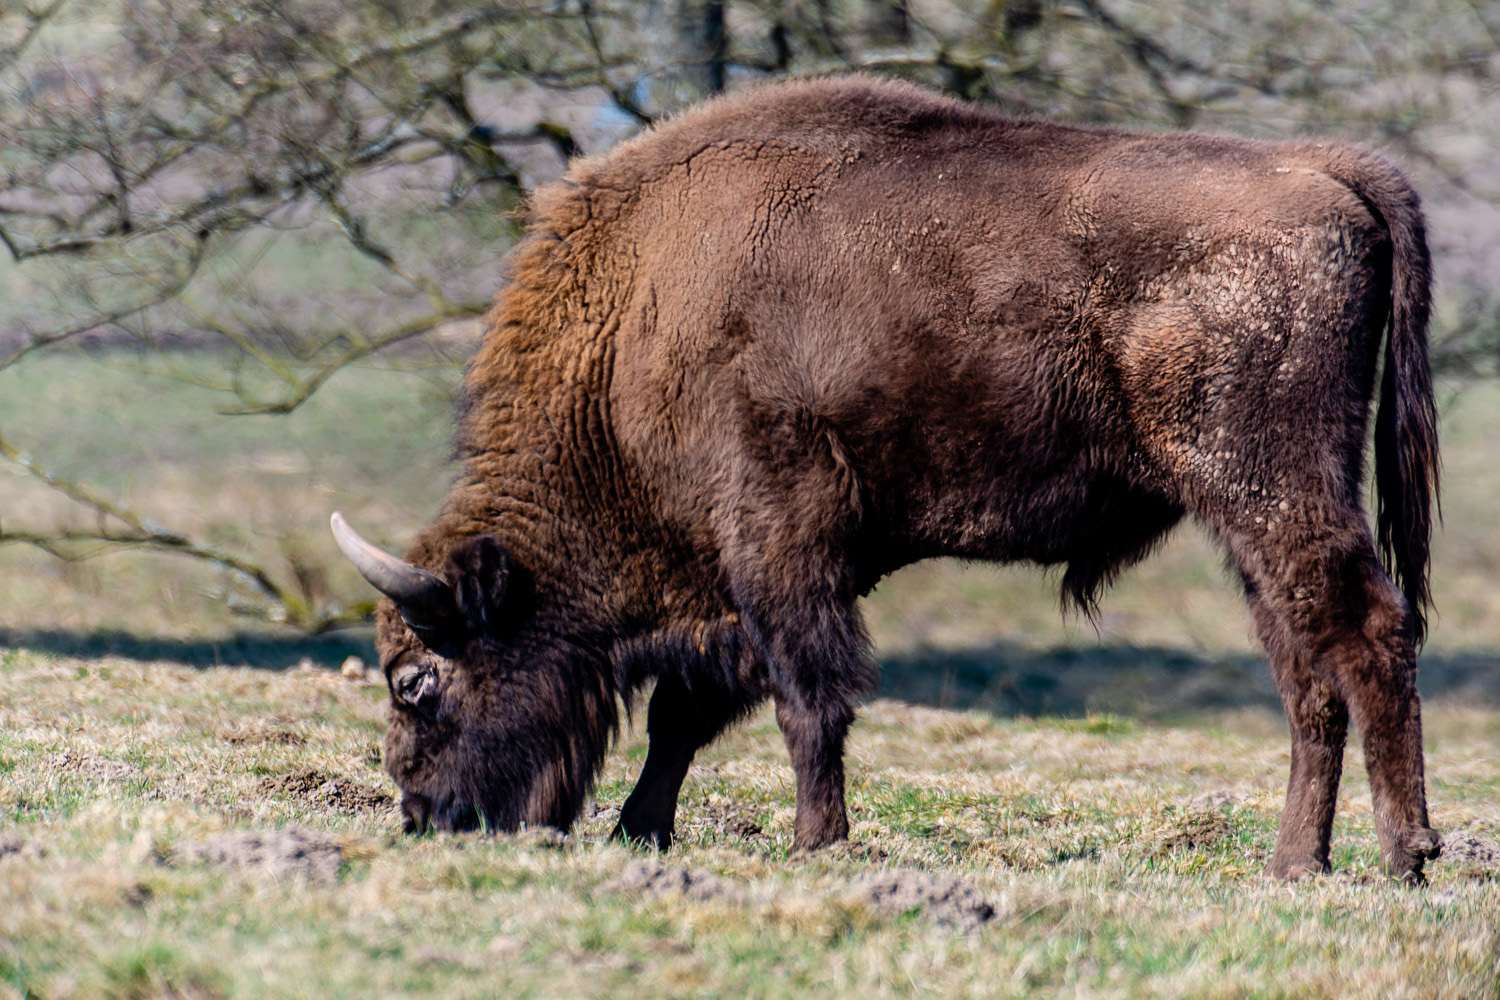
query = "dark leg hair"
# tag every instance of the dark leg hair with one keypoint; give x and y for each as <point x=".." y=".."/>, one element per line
<point x="1319" y="720"/>
<point x="678" y="724"/>
<point x="815" y="740"/>
<point x="816" y="656"/>
<point x="817" y="665"/>
<point x="786" y="561"/>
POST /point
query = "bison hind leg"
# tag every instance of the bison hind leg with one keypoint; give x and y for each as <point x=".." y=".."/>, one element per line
<point x="1341" y="640"/>
<point x="1118" y="529"/>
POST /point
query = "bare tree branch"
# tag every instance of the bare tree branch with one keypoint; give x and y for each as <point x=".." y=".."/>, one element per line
<point x="36" y="21"/>
<point x="142" y="533"/>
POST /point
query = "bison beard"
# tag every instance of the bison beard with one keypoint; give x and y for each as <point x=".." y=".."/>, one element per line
<point x="749" y="363"/>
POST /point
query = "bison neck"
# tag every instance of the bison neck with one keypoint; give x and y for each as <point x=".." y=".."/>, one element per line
<point x="542" y="473"/>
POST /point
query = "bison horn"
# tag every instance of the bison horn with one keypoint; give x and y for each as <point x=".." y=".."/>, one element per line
<point x="425" y="600"/>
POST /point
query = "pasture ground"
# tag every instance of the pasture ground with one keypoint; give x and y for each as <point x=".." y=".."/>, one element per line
<point x="192" y="805"/>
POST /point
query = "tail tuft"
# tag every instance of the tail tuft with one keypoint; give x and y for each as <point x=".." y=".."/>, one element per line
<point x="1407" y="466"/>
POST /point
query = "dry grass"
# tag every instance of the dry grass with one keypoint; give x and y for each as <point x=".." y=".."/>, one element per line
<point x="1117" y="859"/>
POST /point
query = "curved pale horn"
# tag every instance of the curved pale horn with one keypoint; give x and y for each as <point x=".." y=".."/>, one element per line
<point x="425" y="600"/>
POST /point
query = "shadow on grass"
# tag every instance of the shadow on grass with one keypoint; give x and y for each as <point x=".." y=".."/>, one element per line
<point x="1006" y="679"/>
<point x="1002" y="678"/>
<point x="265" y="650"/>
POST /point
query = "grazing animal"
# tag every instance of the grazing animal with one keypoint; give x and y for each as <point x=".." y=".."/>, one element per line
<point x="754" y="360"/>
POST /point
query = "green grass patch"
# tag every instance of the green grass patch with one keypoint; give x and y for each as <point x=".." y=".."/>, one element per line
<point x="1092" y="725"/>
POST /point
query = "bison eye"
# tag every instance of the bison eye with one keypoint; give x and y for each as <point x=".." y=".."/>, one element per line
<point x="417" y="687"/>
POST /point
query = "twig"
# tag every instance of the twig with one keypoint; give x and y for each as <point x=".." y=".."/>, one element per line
<point x="142" y="533"/>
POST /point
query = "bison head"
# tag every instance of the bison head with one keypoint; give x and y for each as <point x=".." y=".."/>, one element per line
<point x="497" y="718"/>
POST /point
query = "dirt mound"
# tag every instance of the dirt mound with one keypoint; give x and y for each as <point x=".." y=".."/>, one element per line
<point x="948" y="900"/>
<point x="255" y="734"/>
<point x="316" y="788"/>
<point x="1196" y="829"/>
<point x="538" y="836"/>
<point x="289" y="853"/>
<point x="1471" y="851"/>
<point x="93" y="767"/>
<point x="19" y="848"/>
<point x="722" y="813"/>
<point x="942" y="898"/>
<point x="651" y="878"/>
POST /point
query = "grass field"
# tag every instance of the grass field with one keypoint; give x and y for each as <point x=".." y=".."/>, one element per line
<point x="192" y="804"/>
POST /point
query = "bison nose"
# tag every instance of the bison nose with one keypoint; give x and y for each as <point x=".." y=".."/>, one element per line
<point x="449" y="815"/>
<point x="457" y="818"/>
<point x="417" y="810"/>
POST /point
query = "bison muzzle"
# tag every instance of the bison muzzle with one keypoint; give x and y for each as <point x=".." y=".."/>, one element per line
<point x="747" y="364"/>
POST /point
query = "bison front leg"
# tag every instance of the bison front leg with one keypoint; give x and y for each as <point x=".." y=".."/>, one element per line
<point x="815" y="741"/>
<point x="815" y="671"/>
<point x="678" y="726"/>
<point x="788" y="523"/>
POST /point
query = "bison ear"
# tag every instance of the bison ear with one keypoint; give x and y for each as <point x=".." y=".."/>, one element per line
<point x="425" y="601"/>
<point x="480" y="570"/>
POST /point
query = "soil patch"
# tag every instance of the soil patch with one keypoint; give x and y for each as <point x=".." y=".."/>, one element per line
<point x="651" y="878"/>
<point x="731" y="818"/>
<point x="92" y="766"/>
<point x="948" y="900"/>
<point x="1471" y="852"/>
<point x="942" y="898"/>
<point x="272" y="737"/>
<point x="538" y="836"/>
<point x="316" y="788"/>
<point x="19" y="847"/>
<point x="1196" y="829"/>
<point x="289" y="853"/>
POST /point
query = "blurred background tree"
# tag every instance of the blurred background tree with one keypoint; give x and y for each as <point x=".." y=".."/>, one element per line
<point x="252" y="199"/>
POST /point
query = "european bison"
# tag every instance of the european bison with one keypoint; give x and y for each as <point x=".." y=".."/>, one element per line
<point x="747" y="364"/>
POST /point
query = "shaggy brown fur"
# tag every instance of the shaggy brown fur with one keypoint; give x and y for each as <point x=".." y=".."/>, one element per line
<point x="752" y="361"/>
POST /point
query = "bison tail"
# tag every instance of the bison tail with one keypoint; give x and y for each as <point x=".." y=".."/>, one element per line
<point x="1406" y="436"/>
